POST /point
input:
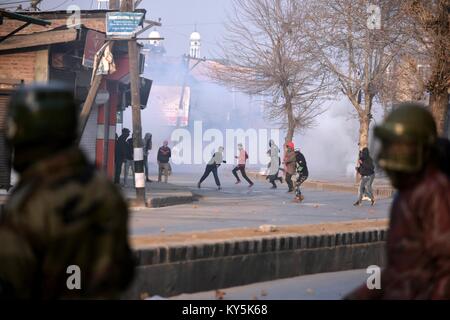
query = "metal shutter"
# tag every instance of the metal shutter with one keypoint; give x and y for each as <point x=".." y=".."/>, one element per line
<point x="5" y="153"/>
<point x="89" y="138"/>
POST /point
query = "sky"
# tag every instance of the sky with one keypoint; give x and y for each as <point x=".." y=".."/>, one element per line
<point x="179" y="19"/>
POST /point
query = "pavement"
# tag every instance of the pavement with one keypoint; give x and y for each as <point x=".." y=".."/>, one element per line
<point x="322" y="286"/>
<point x="237" y="206"/>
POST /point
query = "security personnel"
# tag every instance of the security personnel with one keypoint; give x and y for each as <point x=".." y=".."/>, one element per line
<point x="418" y="244"/>
<point x="64" y="233"/>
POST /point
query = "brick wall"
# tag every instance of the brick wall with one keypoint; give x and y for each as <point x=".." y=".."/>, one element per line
<point x="18" y="66"/>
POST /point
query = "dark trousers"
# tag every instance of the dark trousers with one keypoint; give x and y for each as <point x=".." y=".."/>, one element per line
<point x="272" y="178"/>
<point x="289" y="181"/>
<point x="211" y="168"/>
<point x="118" y="170"/>
<point x="241" y="168"/>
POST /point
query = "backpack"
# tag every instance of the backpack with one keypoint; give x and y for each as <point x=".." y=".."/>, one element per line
<point x="246" y="155"/>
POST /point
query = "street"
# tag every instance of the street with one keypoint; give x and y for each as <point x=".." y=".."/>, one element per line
<point x="237" y="206"/>
<point x="323" y="286"/>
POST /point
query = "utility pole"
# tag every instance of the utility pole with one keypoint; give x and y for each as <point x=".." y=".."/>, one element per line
<point x="133" y="54"/>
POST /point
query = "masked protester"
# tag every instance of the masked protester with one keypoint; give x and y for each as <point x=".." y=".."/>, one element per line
<point x="212" y="166"/>
<point x="367" y="171"/>
<point x="289" y="165"/>
<point x="242" y="159"/>
<point x="302" y="174"/>
<point x="274" y="164"/>
<point x="418" y="245"/>
<point x="64" y="218"/>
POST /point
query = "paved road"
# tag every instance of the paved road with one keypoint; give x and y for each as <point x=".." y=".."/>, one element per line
<point x="323" y="286"/>
<point x="238" y="206"/>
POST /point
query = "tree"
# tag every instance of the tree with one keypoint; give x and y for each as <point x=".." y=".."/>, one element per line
<point x="430" y="26"/>
<point x="356" y="41"/>
<point x="266" y="54"/>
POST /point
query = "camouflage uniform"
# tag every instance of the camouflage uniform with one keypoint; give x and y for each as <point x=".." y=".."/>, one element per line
<point x="63" y="213"/>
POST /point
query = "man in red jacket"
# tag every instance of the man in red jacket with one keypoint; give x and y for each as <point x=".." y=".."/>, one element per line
<point x="418" y="244"/>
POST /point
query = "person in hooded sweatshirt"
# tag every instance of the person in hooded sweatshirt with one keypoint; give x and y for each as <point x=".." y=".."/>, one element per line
<point x="213" y="164"/>
<point x="274" y="164"/>
<point x="289" y="164"/>
<point x="367" y="171"/>
<point x="242" y="159"/>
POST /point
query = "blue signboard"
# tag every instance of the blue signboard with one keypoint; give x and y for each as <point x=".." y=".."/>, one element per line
<point x="123" y="24"/>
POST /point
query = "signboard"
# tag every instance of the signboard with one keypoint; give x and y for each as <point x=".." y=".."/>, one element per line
<point x="123" y="24"/>
<point x="94" y="41"/>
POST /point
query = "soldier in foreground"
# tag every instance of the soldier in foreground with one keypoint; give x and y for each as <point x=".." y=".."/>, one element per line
<point x="418" y="244"/>
<point x="63" y="216"/>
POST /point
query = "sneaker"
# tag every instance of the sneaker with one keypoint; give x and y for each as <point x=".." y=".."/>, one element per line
<point x="237" y="182"/>
<point x="219" y="188"/>
<point x="372" y="202"/>
<point x="250" y="185"/>
<point x="290" y="190"/>
<point x="302" y="197"/>
<point x="273" y="187"/>
<point x="357" y="203"/>
<point x="198" y="185"/>
<point x="281" y="179"/>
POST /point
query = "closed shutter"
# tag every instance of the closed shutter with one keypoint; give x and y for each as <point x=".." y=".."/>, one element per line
<point x="89" y="138"/>
<point x="5" y="153"/>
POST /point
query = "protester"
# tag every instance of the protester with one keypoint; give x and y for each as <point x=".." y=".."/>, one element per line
<point x="289" y="164"/>
<point x="274" y="164"/>
<point x="164" y="155"/>
<point x="366" y="169"/>
<point x="242" y="158"/>
<point x="212" y="166"/>
<point x="302" y="174"/>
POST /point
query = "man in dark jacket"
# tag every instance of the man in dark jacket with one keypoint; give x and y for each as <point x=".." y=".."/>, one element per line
<point x="121" y="153"/>
<point x="367" y="171"/>
<point x="164" y="154"/>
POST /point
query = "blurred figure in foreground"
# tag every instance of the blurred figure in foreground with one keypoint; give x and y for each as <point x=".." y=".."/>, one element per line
<point x="418" y="244"/>
<point x="64" y="234"/>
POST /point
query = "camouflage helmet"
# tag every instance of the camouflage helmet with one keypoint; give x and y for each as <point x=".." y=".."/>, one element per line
<point x="406" y="135"/>
<point x="42" y="113"/>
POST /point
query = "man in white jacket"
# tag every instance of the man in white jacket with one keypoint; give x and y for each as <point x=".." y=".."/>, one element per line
<point x="242" y="159"/>
<point x="213" y="164"/>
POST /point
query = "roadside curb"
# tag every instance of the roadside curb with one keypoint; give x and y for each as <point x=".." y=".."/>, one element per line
<point x="175" y="268"/>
